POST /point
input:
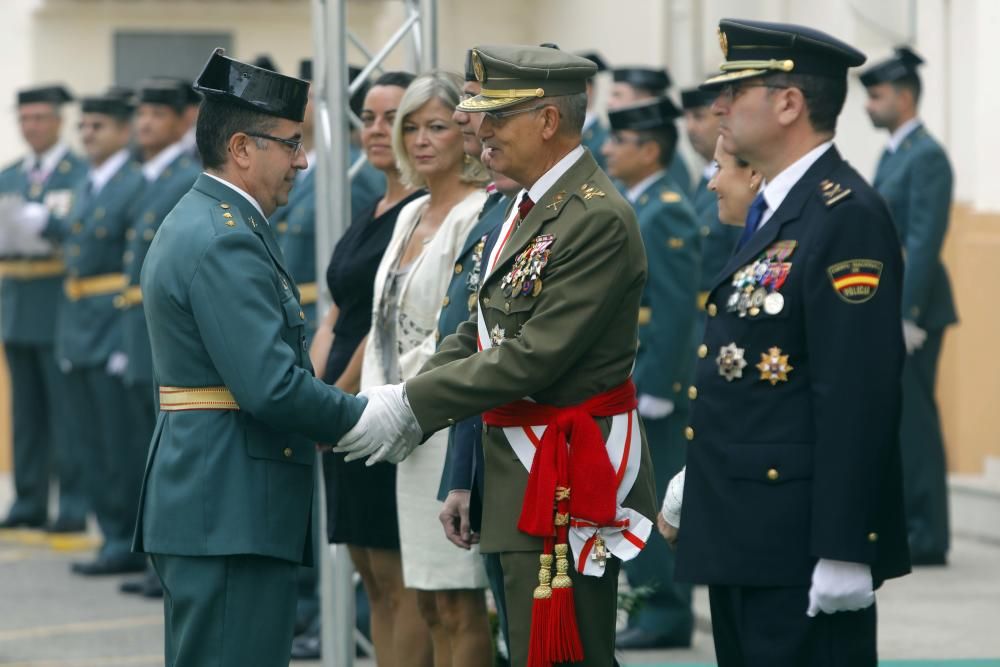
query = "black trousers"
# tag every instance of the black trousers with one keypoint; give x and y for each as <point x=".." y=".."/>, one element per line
<point x="768" y="627"/>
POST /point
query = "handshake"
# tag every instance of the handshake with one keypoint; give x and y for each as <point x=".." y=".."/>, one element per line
<point x="387" y="431"/>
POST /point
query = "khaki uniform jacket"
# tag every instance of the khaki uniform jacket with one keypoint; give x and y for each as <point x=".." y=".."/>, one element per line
<point x="574" y="339"/>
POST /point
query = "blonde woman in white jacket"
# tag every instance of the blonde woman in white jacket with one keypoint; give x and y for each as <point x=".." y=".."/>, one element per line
<point x="410" y="285"/>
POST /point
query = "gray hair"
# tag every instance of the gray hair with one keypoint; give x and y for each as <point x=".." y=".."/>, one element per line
<point x="572" y="110"/>
<point x="439" y="85"/>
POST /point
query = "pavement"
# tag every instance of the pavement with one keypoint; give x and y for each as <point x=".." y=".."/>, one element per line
<point x="936" y="617"/>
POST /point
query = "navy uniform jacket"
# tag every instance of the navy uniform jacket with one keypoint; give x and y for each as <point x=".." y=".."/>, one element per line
<point x="295" y="228"/>
<point x="28" y="304"/>
<point x="916" y="182"/>
<point x="223" y="310"/>
<point x="781" y="473"/>
<point x="669" y="228"/>
<point x="464" y="458"/>
<point x="158" y="198"/>
<point x="88" y="328"/>
<point x="718" y="240"/>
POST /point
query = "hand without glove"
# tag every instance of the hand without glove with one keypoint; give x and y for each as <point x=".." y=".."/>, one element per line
<point x="387" y="426"/>
<point x="672" y="499"/>
<point x="454" y="517"/>
<point x="652" y="407"/>
<point x="913" y="336"/>
<point x="117" y="363"/>
<point x="839" y="585"/>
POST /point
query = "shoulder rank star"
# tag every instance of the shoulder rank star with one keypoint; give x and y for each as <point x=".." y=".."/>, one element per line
<point x="774" y="366"/>
<point x="497" y="334"/>
<point x="731" y="362"/>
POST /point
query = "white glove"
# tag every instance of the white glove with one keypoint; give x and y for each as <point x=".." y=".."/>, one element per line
<point x="32" y="218"/>
<point x="387" y="430"/>
<point x="29" y="220"/>
<point x="839" y="585"/>
<point x="652" y="407"/>
<point x="913" y="336"/>
<point x="117" y="363"/>
<point x="672" y="499"/>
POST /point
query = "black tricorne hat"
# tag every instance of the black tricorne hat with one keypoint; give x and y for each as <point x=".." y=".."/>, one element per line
<point x="54" y="94"/>
<point x="258" y="89"/>
<point x="647" y="78"/>
<point x="116" y="101"/>
<point x="646" y="115"/>
<point x="904" y="62"/>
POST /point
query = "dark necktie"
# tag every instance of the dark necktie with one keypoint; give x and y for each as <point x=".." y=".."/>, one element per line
<point x="754" y="216"/>
<point x="524" y="206"/>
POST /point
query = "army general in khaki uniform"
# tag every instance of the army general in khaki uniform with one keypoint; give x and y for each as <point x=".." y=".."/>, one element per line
<point x="556" y="322"/>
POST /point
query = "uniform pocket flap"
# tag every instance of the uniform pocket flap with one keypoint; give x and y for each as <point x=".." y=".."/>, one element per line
<point x="771" y="463"/>
<point x="294" y="315"/>
<point x="286" y="448"/>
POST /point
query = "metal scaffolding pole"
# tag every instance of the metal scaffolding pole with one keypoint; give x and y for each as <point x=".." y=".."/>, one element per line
<point x="331" y="94"/>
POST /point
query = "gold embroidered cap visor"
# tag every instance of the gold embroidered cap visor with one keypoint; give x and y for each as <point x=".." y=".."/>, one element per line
<point x="758" y="48"/>
<point x="513" y="74"/>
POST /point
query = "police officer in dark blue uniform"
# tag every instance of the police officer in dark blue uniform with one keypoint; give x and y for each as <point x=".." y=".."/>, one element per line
<point x="915" y="178"/>
<point x="792" y="508"/>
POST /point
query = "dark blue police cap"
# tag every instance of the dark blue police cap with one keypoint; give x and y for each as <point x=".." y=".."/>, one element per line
<point x="647" y="115"/>
<point x="757" y="48"/>
<point x="252" y="87"/>
<point x="904" y="62"/>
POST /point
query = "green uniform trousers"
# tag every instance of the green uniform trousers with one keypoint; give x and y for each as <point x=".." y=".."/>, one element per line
<point x="41" y="438"/>
<point x="925" y="486"/>
<point x="110" y="463"/>
<point x="664" y="609"/>
<point x="596" y="601"/>
<point x="227" y="611"/>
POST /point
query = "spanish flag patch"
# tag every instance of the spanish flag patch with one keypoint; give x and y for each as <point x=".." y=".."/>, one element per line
<point x="855" y="280"/>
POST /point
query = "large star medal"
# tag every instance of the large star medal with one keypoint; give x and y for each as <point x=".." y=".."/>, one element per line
<point x="774" y="366"/>
<point x="731" y="362"/>
<point x="497" y="334"/>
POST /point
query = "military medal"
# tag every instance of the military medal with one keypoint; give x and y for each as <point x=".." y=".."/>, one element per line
<point x="774" y="366"/>
<point x="497" y="334"/>
<point x="731" y="362"/>
<point x="774" y="303"/>
<point x="525" y="276"/>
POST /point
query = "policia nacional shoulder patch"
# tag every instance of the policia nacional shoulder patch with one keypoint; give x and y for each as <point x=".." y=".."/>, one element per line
<point x="855" y="280"/>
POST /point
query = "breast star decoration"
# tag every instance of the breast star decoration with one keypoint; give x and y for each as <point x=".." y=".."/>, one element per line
<point x="774" y="366"/>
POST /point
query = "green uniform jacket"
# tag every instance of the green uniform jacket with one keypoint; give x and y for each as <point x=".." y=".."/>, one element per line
<point x="223" y="310"/>
<point x="916" y="182"/>
<point x="88" y="330"/>
<point x="669" y="227"/>
<point x="152" y="207"/>
<point x="575" y="339"/>
<point x="28" y="305"/>
<point x="593" y="138"/>
<point x="295" y="228"/>
<point x="718" y="240"/>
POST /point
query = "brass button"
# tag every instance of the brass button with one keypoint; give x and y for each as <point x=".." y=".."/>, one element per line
<point x="702" y="351"/>
<point x="692" y="392"/>
<point x="677" y="387"/>
<point x="149" y="217"/>
<point x="873" y="537"/>
<point x="130" y="234"/>
<point x="100" y="232"/>
<point x="486" y="300"/>
<point x="451" y="421"/>
<point x="689" y="433"/>
<point x="77" y="227"/>
<point x="99" y="213"/>
<point x="223" y="205"/>
<point x="302" y="315"/>
<point x="288" y="452"/>
<point x="772" y="474"/>
<point x="712" y="309"/>
<point x="915" y="311"/>
<point x="446" y="301"/>
<point x="458" y="268"/>
<point x="128" y="257"/>
<point x="149" y="234"/>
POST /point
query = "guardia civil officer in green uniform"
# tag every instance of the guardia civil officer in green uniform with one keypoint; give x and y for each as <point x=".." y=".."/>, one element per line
<point x="635" y="84"/>
<point x="915" y="178"/>
<point x="718" y="240"/>
<point x="643" y="142"/>
<point x="792" y="503"/>
<point x="227" y="498"/>
<point x="32" y="190"/>
<point x="556" y="321"/>
<point x="88" y="326"/>
<point x="595" y="132"/>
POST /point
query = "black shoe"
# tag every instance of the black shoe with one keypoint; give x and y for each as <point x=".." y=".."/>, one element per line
<point x="22" y="522"/>
<point x="637" y="639"/>
<point x="104" y="566"/>
<point x="64" y="525"/>
<point x="132" y="586"/>
<point x="152" y="588"/>
<point x="306" y="647"/>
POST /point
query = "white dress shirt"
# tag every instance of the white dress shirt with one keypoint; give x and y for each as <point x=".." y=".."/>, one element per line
<point x="778" y="188"/>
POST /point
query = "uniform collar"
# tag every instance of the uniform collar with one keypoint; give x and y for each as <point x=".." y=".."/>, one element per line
<point x="242" y="193"/>
<point x="100" y="175"/>
<point x="48" y="160"/>
<point x="633" y="193"/>
<point x="777" y="189"/>
<point x="154" y="167"/>
<point x="552" y="176"/>
<point x="902" y="132"/>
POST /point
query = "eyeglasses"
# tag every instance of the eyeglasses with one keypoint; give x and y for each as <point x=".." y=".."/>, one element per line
<point x="731" y="91"/>
<point x="296" y="146"/>
<point x="498" y="117"/>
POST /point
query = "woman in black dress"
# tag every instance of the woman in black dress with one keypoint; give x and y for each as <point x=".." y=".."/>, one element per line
<point x="361" y="501"/>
